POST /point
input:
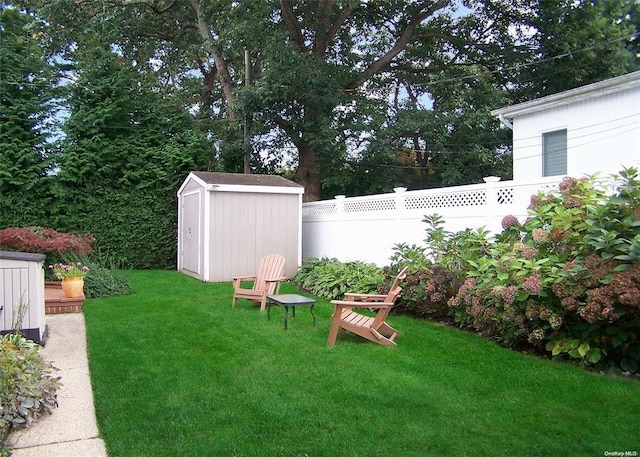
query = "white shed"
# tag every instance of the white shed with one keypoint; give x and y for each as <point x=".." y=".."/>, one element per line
<point x="589" y="129"/>
<point x="227" y="222"/>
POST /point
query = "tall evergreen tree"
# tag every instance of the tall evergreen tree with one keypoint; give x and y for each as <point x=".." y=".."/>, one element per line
<point x="126" y="151"/>
<point x="26" y="82"/>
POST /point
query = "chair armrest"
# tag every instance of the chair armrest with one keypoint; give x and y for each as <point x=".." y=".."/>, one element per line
<point x="239" y="279"/>
<point x="281" y="278"/>
<point x="360" y="304"/>
<point x="364" y="297"/>
<point x="244" y="278"/>
<point x="278" y="282"/>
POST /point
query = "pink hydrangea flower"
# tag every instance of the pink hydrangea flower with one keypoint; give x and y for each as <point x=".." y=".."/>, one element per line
<point x="510" y="221"/>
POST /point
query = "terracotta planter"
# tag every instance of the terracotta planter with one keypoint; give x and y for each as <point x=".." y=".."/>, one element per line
<point x="72" y="287"/>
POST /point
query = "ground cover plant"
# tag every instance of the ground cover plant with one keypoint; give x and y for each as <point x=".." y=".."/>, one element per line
<point x="28" y="385"/>
<point x="177" y="371"/>
<point x="331" y="278"/>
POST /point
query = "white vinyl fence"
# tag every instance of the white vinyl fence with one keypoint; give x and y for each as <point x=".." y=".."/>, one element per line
<point x="367" y="228"/>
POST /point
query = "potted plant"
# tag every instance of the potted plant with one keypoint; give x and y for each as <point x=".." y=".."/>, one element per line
<point x="71" y="277"/>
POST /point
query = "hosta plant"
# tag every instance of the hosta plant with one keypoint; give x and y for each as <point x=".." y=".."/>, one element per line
<point x="331" y="278"/>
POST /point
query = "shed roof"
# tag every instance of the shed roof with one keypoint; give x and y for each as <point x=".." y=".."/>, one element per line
<point x="239" y="179"/>
<point x="608" y="86"/>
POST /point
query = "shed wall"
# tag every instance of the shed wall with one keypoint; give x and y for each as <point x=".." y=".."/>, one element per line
<point x="245" y="226"/>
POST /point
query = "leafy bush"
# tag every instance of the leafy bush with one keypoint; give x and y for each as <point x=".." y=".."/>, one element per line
<point x="427" y="292"/>
<point x="436" y="271"/>
<point x="44" y="240"/>
<point x="331" y="278"/>
<point x="567" y="280"/>
<point x="27" y="387"/>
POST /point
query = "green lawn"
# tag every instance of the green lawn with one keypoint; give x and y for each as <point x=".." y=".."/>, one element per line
<point x="177" y="371"/>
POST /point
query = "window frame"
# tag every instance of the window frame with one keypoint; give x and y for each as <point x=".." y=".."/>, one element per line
<point x="554" y="152"/>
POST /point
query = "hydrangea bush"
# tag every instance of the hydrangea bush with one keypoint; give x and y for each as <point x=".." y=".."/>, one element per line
<point x="566" y="281"/>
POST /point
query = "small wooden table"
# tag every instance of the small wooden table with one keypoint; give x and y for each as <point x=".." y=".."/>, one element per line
<point x="292" y="300"/>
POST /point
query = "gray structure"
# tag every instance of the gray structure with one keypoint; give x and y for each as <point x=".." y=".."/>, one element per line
<point x="227" y="222"/>
<point x="22" y="283"/>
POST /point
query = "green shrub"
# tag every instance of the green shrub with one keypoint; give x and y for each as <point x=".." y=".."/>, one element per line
<point x="567" y="280"/>
<point x="101" y="282"/>
<point x="27" y="387"/>
<point x="436" y="271"/>
<point x="426" y="293"/>
<point x="331" y="278"/>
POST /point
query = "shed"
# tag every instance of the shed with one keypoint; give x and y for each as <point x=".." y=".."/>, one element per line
<point x="227" y="222"/>
<point x="22" y="284"/>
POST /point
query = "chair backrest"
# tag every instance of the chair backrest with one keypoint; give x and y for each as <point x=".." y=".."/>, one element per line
<point x="392" y="296"/>
<point x="382" y="314"/>
<point x="270" y="267"/>
<point x="401" y="277"/>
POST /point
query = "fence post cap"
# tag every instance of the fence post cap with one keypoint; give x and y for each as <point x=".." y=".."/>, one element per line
<point x="339" y="197"/>
<point x="399" y="189"/>
<point x="489" y="179"/>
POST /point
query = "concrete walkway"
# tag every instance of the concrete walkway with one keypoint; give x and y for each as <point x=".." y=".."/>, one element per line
<point x="71" y="429"/>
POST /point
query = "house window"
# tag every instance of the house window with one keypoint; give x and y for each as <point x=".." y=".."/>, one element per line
<point x="554" y="153"/>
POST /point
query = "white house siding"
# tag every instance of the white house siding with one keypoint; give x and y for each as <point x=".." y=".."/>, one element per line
<point x="603" y="135"/>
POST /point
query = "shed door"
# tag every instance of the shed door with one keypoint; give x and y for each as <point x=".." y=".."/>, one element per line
<point x="191" y="216"/>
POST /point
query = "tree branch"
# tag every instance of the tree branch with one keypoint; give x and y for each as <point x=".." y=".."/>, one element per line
<point x="401" y="43"/>
<point x="289" y="129"/>
<point x="324" y="34"/>
<point x="292" y="24"/>
<point x="222" y="68"/>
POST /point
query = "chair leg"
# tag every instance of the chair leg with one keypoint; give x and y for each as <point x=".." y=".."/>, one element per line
<point x="335" y="325"/>
<point x="263" y="304"/>
<point x="235" y="299"/>
<point x="389" y="331"/>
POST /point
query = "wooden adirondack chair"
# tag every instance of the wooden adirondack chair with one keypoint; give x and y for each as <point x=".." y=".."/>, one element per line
<point x="373" y="328"/>
<point x="266" y="281"/>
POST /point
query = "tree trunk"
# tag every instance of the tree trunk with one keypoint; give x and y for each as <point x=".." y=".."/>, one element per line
<point x="308" y="174"/>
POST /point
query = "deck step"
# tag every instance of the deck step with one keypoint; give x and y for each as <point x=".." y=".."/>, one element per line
<point x="55" y="302"/>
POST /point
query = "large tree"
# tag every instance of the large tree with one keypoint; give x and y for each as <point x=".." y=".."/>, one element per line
<point x="26" y="88"/>
<point x="331" y="78"/>
<point x="321" y="69"/>
<point x="127" y="148"/>
<point x="329" y="75"/>
<point x="580" y="42"/>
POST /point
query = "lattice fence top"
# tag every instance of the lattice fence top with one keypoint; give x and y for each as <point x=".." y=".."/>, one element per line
<point x="521" y="195"/>
<point x="369" y="205"/>
<point x="319" y="209"/>
<point x="474" y="195"/>
<point x="446" y="200"/>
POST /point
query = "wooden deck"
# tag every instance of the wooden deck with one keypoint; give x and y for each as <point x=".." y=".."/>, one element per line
<point x="55" y="301"/>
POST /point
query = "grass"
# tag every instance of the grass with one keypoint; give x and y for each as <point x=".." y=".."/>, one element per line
<point x="177" y="371"/>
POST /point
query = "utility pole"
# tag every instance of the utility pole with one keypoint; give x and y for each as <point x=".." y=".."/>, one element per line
<point x="247" y="119"/>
